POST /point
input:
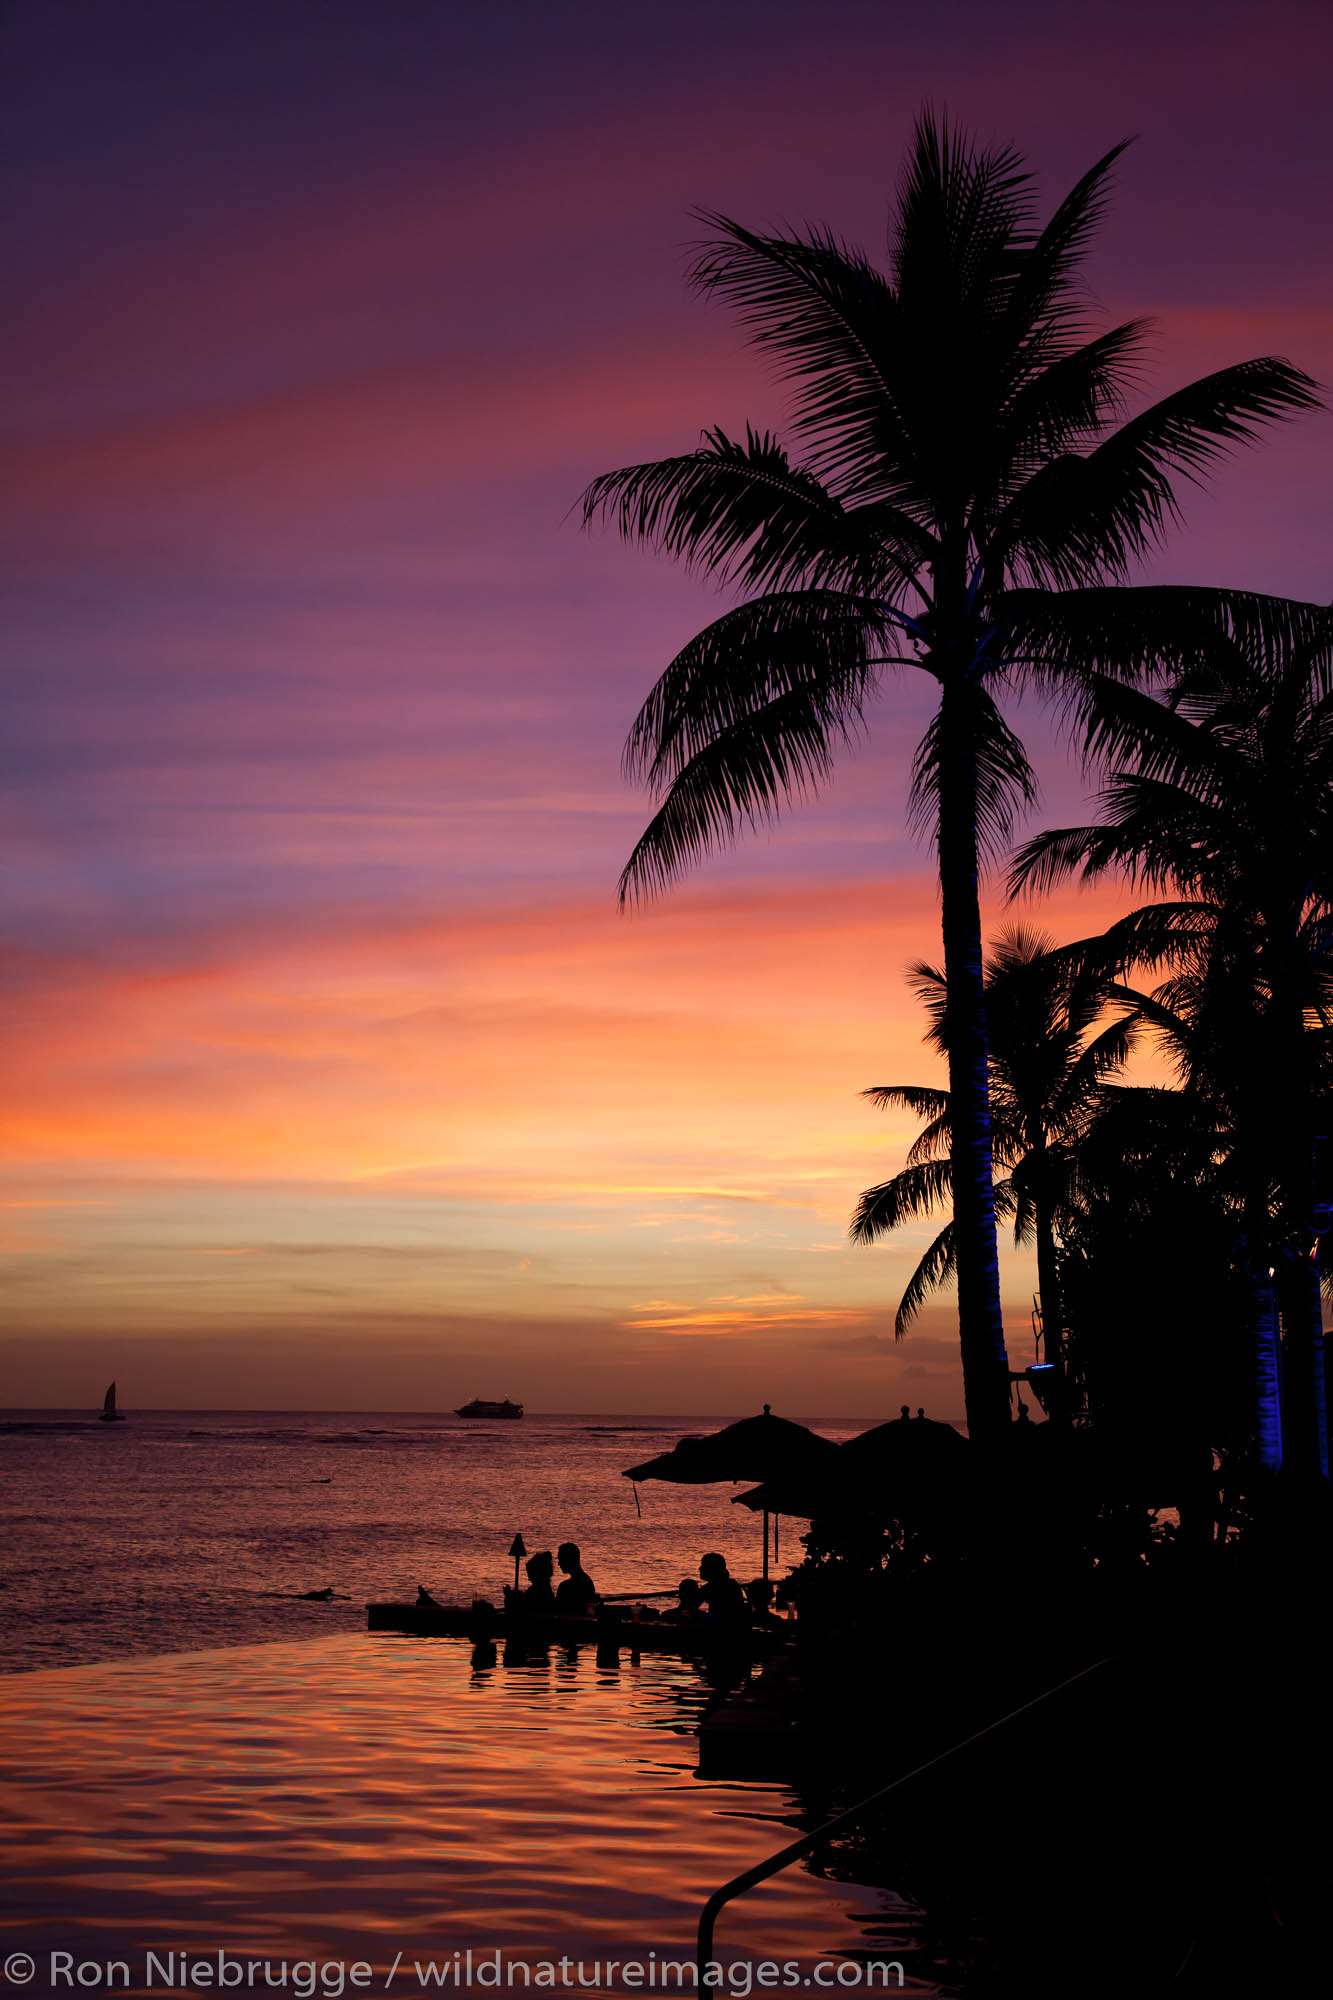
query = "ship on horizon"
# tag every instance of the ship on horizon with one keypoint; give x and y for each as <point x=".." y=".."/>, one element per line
<point x="478" y="1408"/>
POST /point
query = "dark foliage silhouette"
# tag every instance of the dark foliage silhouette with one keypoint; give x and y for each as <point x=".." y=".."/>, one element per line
<point x="1221" y="794"/>
<point x="959" y="466"/>
<point x="1051" y="1054"/>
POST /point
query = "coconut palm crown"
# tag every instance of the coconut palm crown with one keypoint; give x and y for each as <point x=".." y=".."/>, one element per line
<point x="1222" y="794"/>
<point x="959" y="465"/>
<point x="1052" y="1052"/>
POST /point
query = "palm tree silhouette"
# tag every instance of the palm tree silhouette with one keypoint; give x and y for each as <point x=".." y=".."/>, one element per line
<point x="1050" y="1062"/>
<point x="956" y="423"/>
<point x="1222" y="794"/>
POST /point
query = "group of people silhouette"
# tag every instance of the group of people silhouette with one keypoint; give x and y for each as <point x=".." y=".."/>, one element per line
<point x="716" y="1596"/>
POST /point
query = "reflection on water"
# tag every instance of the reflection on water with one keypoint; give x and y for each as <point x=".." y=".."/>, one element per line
<point x="169" y="1533"/>
<point x="352" y="1798"/>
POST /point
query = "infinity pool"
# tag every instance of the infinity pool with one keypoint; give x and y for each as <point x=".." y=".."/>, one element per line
<point x="381" y="1802"/>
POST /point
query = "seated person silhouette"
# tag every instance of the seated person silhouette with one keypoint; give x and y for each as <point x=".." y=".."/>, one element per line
<point x="723" y="1597"/>
<point x="539" y="1597"/>
<point x="577" y="1593"/>
<point x="759" y="1598"/>
<point x="688" y="1606"/>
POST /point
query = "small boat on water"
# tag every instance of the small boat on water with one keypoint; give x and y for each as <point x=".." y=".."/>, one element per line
<point x="477" y="1408"/>
<point x="110" y="1414"/>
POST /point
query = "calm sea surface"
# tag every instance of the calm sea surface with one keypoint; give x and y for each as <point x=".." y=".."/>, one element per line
<point x="194" y="1762"/>
<point x="174" y="1531"/>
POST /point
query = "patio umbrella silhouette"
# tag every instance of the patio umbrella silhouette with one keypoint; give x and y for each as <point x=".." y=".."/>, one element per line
<point x="765" y="1447"/>
<point x="910" y="1458"/>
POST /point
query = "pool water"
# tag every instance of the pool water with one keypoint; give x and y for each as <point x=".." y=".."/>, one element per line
<point x="384" y="1801"/>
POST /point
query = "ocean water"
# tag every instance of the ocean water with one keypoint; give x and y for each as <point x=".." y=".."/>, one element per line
<point x="173" y="1531"/>
<point x="202" y="1773"/>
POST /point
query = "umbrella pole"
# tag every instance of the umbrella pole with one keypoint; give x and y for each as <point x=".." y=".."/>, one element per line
<point x="765" y="1545"/>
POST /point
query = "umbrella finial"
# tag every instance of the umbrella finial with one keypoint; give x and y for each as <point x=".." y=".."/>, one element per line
<point x="768" y="1409"/>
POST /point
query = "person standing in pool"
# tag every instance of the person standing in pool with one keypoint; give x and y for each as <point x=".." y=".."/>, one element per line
<point x="577" y="1593"/>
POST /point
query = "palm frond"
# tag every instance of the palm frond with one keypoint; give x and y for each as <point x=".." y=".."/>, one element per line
<point x="914" y="1192"/>
<point x="1123" y="725"/>
<point x="1146" y="631"/>
<point x="962" y="214"/>
<point x="936" y="1269"/>
<point x="823" y="644"/>
<point x="1100" y="1058"/>
<point x="828" y="318"/>
<point x="1049" y="857"/>
<point x="744" y="776"/>
<point x="1045" y="292"/>
<point x="918" y="1098"/>
<point x="1080" y="519"/>
<point x="1003" y="782"/>
<point x="1158" y="933"/>
<point x="1064" y="406"/>
<point x="741" y="511"/>
<point x="933" y="1141"/>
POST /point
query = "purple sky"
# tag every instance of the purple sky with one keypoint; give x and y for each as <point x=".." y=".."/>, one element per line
<point x="314" y="695"/>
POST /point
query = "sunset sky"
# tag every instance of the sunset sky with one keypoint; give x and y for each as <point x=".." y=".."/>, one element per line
<point x="332" y="1077"/>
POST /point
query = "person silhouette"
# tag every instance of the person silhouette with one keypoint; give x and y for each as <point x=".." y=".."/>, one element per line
<point x="577" y="1592"/>
<point x="688" y="1605"/>
<point x="721" y="1594"/>
<point x="539" y="1570"/>
<point x="759" y="1598"/>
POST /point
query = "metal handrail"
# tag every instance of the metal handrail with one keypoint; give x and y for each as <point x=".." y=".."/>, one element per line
<point x="762" y="1871"/>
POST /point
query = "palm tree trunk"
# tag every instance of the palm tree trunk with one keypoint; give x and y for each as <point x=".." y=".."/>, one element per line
<point x="1305" y="1415"/>
<point x="980" y="1322"/>
<point x="1306" y="1426"/>
<point x="1267" y="1406"/>
<point x="1048" y="1293"/>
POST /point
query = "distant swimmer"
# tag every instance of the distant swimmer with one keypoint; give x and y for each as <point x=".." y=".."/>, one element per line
<point x="317" y="1596"/>
<point x="577" y="1592"/>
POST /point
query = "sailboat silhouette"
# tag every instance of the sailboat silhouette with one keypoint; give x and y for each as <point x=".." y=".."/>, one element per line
<point x="110" y="1414"/>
